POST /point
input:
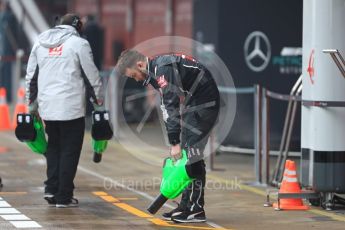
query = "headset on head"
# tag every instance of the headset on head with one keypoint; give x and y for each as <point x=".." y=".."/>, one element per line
<point x="77" y="23"/>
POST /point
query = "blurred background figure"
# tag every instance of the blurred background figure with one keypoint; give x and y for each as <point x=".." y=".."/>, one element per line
<point x="93" y="33"/>
<point x="8" y="46"/>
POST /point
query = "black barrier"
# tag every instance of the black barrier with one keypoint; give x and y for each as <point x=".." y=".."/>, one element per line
<point x="285" y="97"/>
<point x="324" y="103"/>
<point x="262" y="136"/>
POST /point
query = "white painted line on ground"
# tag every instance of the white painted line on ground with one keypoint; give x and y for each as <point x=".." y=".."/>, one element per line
<point x="143" y="194"/>
<point x="212" y="224"/>
<point x="4" y="204"/>
<point x="15" y="217"/>
<point x="9" y="211"/>
<point x="25" y="224"/>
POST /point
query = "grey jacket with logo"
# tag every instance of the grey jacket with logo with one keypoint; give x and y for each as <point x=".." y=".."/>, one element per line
<point x="60" y="69"/>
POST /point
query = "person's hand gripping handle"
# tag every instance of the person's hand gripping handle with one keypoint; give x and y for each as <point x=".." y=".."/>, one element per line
<point x="175" y="152"/>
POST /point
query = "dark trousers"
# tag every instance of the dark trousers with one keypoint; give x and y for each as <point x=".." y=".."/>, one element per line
<point x="65" y="140"/>
<point x="196" y="129"/>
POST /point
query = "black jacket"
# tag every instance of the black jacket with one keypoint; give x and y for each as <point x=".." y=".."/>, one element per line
<point x="181" y="80"/>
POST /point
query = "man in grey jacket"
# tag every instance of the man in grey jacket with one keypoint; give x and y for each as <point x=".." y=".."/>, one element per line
<point x="60" y="70"/>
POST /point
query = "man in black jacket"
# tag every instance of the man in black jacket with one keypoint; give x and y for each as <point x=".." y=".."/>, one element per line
<point x="190" y="106"/>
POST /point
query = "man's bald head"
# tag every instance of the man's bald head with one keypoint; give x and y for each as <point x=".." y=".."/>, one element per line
<point x="72" y="20"/>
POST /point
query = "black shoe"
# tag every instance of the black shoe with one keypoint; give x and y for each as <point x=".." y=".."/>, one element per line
<point x="73" y="203"/>
<point x="50" y="198"/>
<point x="174" y="212"/>
<point x="196" y="216"/>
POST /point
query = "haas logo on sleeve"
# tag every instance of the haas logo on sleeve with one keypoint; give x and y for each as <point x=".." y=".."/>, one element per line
<point x="56" y="51"/>
<point x="162" y="82"/>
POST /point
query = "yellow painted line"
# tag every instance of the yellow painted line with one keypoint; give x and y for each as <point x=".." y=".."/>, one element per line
<point x="328" y="214"/>
<point x="13" y="193"/>
<point x="147" y="156"/>
<point x="123" y="206"/>
<point x="110" y="199"/>
<point x="127" y="198"/>
<point x="159" y="222"/>
<point x="252" y="190"/>
<point x="263" y="193"/>
<point x="139" y="213"/>
<point x="132" y="210"/>
<point x="100" y="193"/>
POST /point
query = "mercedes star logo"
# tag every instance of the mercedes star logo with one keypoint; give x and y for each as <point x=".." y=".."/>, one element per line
<point x="257" y="51"/>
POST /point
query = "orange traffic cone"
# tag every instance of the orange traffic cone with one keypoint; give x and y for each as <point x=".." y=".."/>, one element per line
<point x="20" y="107"/>
<point x="4" y="111"/>
<point x="290" y="185"/>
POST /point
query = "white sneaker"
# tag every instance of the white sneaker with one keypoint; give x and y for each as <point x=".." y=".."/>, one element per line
<point x="73" y="203"/>
<point x="197" y="216"/>
<point x="50" y="198"/>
